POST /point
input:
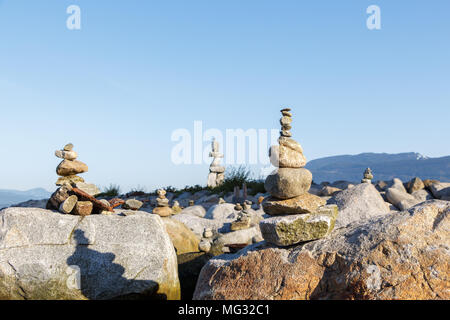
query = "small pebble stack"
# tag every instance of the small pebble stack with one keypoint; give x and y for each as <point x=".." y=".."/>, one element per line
<point x="162" y="208"/>
<point x="368" y="176"/>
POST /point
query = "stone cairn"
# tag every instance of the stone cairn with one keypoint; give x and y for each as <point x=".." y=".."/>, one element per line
<point x="243" y="220"/>
<point x="162" y="205"/>
<point x="74" y="196"/>
<point x="298" y="216"/>
<point x="368" y="176"/>
<point x="216" y="171"/>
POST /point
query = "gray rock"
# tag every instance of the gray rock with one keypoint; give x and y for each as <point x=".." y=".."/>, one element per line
<point x="401" y="199"/>
<point x="200" y="194"/>
<point x="196" y="210"/>
<point x="68" y="204"/>
<point x="209" y="200"/>
<point x="221" y="211"/>
<point x="42" y="252"/>
<point x="399" y="256"/>
<point x="67" y="155"/>
<point x="204" y="246"/>
<point x="89" y="188"/>
<point x="398" y="184"/>
<point x="441" y="190"/>
<point x="293" y="229"/>
<point x="358" y="203"/>
<point x="198" y="224"/>
<point x="415" y="184"/>
<point x="342" y="184"/>
<point x="422" y="195"/>
<point x="244" y="236"/>
<point x="285" y="183"/>
<point x="132" y="204"/>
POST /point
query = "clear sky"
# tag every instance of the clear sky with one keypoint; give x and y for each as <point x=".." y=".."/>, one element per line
<point x="138" y="70"/>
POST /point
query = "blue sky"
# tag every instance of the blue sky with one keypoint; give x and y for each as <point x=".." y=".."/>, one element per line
<point x="138" y="70"/>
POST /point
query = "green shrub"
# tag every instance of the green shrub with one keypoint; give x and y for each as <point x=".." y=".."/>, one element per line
<point x="111" y="191"/>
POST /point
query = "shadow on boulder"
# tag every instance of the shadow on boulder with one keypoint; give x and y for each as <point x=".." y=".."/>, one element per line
<point x="102" y="279"/>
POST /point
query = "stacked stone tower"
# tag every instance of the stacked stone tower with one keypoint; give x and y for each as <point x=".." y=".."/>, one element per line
<point x="216" y="170"/>
<point x="298" y="215"/>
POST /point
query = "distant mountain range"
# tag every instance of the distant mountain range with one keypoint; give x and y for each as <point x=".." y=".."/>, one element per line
<point x="11" y="197"/>
<point x="404" y="166"/>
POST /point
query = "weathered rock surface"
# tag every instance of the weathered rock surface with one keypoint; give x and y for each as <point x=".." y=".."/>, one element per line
<point x="285" y="157"/>
<point x="292" y="229"/>
<point x="361" y="202"/>
<point x="306" y="203"/>
<point x="69" y="180"/>
<point x="197" y="210"/>
<point x="197" y="224"/>
<point x="422" y="195"/>
<point x="415" y="184"/>
<point x="42" y="252"/>
<point x="68" y="204"/>
<point x="397" y="256"/>
<point x="328" y="191"/>
<point x="183" y="239"/>
<point x="220" y="211"/>
<point x="83" y="208"/>
<point x="401" y="199"/>
<point x="132" y="204"/>
<point x="398" y="184"/>
<point x="441" y="190"/>
<point x="68" y="168"/>
<point x="89" y="188"/>
<point x="239" y="237"/>
<point x="285" y="183"/>
<point x="163" y="211"/>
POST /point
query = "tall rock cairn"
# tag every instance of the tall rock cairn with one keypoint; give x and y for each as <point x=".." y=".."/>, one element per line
<point x="298" y="216"/>
<point x="216" y="171"/>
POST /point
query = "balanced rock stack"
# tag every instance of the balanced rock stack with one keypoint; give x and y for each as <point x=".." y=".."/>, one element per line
<point x="298" y="215"/>
<point x="243" y="220"/>
<point x="69" y="167"/>
<point x="74" y="196"/>
<point x="216" y="171"/>
<point x="162" y="208"/>
<point x="368" y="176"/>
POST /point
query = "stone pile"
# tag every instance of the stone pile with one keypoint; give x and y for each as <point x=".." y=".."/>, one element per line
<point x="368" y="176"/>
<point x="243" y="220"/>
<point x="216" y="171"/>
<point x="298" y="215"/>
<point x="162" y="207"/>
<point x="69" y="167"/>
<point x="74" y="196"/>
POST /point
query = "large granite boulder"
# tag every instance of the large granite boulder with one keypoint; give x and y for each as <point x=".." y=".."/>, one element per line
<point x="183" y="239"/>
<point x="397" y="256"/>
<point x="361" y="202"/>
<point x="49" y="255"/>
